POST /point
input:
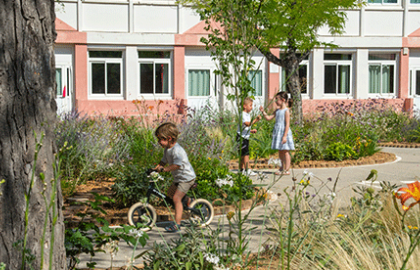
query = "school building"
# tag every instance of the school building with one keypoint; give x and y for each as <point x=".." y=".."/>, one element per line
<point x="114" y="56"/>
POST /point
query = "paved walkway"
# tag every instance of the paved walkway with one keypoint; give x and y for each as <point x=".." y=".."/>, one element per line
<point x="405" y="169"/>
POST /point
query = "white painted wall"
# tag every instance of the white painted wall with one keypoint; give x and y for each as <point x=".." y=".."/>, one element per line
<point x="67" y="12"/>
<point x="105" y="17"/>
<point x="383" y="23"/>
<point x="155" y="19"/>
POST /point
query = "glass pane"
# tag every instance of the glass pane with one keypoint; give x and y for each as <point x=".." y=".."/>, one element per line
<point x="154" y="54"/>
<point x="415" y="1"/>
<point x="390" y="1"/>
<point x="199" y="82"/>
<point x="388" y="79"/>
<point x="303" y="79"/>
<point x="59" y="80"/>
<point x="379" y="56"/>
<point x="375" y="1"/>
<point x="256" y="81"/>
<point x="161" y="79"/>
<point x="113" y="72"/>
<point x="98" y="78"/>
<point x="337" y="56"/>
<point x="105" y="54"/>
<point x="330" y="79"/>
<point x="344" y="79"/>
<point x="417" y="82"/>
<point x="283" y="79"/>
<point x="374" y="79"/>
<point x="146" y="78"/>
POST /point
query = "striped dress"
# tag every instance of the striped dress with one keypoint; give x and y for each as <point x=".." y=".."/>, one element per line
<point x="278" y="133"/>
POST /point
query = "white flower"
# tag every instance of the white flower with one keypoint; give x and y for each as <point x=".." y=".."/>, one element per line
<point x="274" y="161"/>
<point x="137" y="233"/>
<point x="155" y="176"/>
<point x="305" y="172"/>
<point x="310" y="174"/>
<point x="211" y="258"/>
<point x="226" y="181"/>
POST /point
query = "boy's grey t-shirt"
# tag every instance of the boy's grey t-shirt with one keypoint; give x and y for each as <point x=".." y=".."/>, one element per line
<point x="246" y="130"/>
<point x="177" y="155"/>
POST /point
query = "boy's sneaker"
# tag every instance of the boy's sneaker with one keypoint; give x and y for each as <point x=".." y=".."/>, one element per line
<point x="249" y="172"/>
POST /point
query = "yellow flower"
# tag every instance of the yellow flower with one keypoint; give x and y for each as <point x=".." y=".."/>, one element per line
<point x="230" y="215"/>
<point x="411" y="191"/>
<point x="209" y="158"/>
<point x="340" y="216"/>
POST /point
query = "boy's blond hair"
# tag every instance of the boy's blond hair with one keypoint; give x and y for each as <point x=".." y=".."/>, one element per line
<point x="167" y="130"/>
<point x="248" y="100"/>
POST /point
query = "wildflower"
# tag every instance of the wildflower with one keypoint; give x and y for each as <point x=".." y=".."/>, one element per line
<point x="413" y="191"/>
<point x="230" y="215"/>
<point x="136" y="233"/>
<point x="211" y="258"/>
<point x="209" y="158"/>
<point x="341" y="216"/>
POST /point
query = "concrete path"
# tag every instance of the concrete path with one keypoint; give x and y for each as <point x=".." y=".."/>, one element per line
<point x="405" y="169"/>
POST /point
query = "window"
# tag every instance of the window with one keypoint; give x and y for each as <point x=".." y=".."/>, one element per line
<point x="414" y="1"/>
<point x="59" y="79"/>
<point x="383" y="2"/>
<point x="154" y="72"/>
<point x="198" y="83"/>
<point x="105" y="72"/>
<point x="382" y="73"/>
<point x="415" y="82"/>
<point x="255" y="76"/>
<point x="303" y="78"/>
<point x="337" y="73"/>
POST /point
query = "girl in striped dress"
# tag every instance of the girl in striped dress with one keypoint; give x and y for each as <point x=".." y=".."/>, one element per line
<point x="282" y="135"/>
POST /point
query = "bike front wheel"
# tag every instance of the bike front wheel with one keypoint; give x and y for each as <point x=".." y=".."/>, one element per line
<point x="201" y="212"/>
<point x="142" y="213"/>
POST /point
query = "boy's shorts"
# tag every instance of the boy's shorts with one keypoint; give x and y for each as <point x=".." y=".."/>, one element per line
<point x="244" y="151"/>
<point x="181" y="186"/>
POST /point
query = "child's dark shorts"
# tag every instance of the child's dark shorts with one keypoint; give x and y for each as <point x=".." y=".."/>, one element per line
<point x="244" y="151"/>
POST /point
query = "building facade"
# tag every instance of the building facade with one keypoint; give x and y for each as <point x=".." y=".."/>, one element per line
<point x="119" y="57"/>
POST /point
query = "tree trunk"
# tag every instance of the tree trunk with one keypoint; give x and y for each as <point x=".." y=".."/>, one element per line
<point x="27" y="107"/>
<point x="291" y="65"/>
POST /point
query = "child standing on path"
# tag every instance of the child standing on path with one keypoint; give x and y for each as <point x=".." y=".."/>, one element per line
<point x="282" y="135"/>
<point x="243" y="134"/>
<point x="178" y="164"/>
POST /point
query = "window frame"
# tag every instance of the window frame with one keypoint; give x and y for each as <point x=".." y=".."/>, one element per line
<point x="105" y="61"/>
<point x="210" y="72"/>
<point x="385" y="4"/>
<point x="262" y="81"/>
<point x="154" y="61"/>
<point x="384" y="63"/>
<point x="337" y="63"/>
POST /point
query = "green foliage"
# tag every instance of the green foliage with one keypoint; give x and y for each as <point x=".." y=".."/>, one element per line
<point x="186" y="252"/>
<point x="130" y="185"/>
<point x="339" y="151"/>
<point x="87" y="236"/>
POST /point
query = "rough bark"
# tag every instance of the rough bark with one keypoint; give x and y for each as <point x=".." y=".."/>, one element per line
<point x="27" y="106"/>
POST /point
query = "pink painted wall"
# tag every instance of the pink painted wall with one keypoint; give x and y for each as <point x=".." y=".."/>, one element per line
<point x="273" y="78"/>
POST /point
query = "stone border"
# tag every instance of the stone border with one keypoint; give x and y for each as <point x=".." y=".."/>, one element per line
<point x="377" y="158"/>
<point x="399" y="145"/>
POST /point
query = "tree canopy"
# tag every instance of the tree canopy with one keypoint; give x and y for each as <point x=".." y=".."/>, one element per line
<point x="291" y="25"/>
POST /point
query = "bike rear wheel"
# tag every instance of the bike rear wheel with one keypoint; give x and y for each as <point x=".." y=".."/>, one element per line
<point x="201" y="212"/>
<point x="142" y="213"/>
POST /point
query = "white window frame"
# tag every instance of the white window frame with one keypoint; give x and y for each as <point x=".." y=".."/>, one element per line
<point x="262" y="82"/>
<point x="339" y="63"/>
<point x="383" y="63"/>
<point x="212" y="82"/>
<point x="413" y="82"/>
<point x="105" y="61"/>
<point x="155" y="61"/>
<point x="384" y="4"/>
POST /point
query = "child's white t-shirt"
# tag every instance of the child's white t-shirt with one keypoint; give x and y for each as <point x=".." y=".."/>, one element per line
<point x="246" y="130"/>
<point x="177" y="155"/>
